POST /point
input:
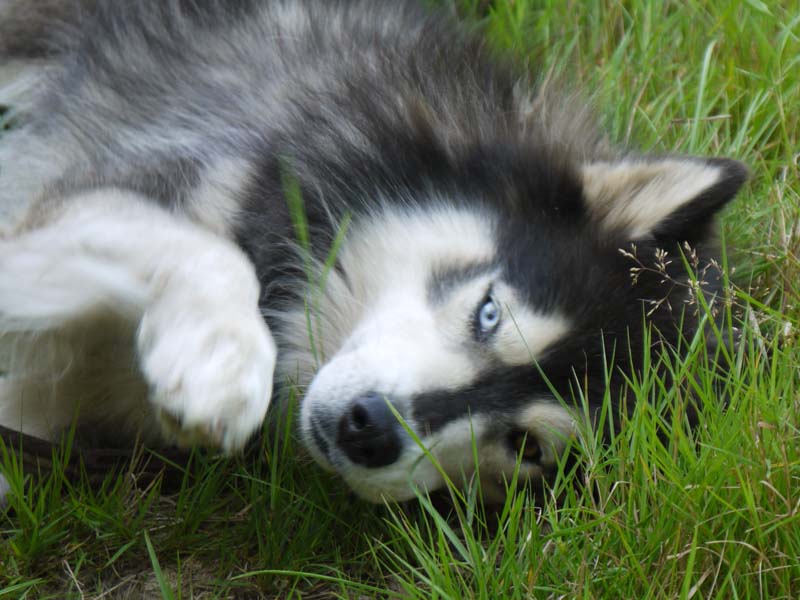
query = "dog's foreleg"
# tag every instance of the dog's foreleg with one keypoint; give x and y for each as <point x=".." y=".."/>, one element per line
<point x="192" y="297"/>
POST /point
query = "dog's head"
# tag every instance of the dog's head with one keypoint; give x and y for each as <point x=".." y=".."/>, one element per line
<point x="447" y="327"/>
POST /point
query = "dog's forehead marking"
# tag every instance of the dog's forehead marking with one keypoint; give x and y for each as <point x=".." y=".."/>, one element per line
<point x="397" y="242"/>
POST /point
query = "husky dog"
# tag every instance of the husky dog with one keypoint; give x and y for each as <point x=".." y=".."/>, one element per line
<point x="202" y="198"/>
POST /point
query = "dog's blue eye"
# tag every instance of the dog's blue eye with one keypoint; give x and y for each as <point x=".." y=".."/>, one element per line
<point x="488" y="316"/>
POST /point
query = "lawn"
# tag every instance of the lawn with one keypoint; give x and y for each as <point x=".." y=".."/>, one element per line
<point x="658" y="513"/>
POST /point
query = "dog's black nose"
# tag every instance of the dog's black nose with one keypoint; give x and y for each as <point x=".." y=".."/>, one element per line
<point x="369" y="433"/>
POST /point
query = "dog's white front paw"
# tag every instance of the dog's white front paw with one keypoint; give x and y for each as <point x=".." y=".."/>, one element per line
<point x="210" y="371"/>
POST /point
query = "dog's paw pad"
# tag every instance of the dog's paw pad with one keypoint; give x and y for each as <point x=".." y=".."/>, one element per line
<point x="206" y="435"/>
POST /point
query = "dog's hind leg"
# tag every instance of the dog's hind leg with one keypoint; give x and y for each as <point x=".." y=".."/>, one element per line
<point x="120" y="281"/>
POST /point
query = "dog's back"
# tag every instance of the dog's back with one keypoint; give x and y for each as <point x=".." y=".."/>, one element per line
<point x="148" y="94"/>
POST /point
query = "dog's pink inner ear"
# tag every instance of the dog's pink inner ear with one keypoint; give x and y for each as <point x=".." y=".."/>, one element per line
<point x="664" y="197"/>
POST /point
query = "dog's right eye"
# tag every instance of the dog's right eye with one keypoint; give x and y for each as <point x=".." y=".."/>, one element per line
<point x="488" y="317"/>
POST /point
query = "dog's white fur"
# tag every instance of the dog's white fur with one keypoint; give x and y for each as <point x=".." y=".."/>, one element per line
<point x="187" y="296"/>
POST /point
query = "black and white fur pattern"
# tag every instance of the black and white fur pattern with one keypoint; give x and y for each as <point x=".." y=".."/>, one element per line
<point x="151" y="278"/>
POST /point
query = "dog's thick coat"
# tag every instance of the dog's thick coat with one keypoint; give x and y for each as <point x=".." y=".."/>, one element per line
<point x="357" y="192"/>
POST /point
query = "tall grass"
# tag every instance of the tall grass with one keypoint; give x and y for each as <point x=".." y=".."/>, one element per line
<point x="658" y="513"/>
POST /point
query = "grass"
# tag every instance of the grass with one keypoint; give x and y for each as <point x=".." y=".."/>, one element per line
<point x="658" y="513"/>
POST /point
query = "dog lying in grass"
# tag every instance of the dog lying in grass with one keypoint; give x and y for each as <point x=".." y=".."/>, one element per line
<point x="207" y="202"/>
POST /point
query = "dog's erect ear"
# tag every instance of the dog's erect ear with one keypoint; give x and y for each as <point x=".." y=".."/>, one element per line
<point x="661" y="198"/>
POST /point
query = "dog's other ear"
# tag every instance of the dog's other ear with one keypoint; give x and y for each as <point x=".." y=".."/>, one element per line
<point x="663" y="198"/>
